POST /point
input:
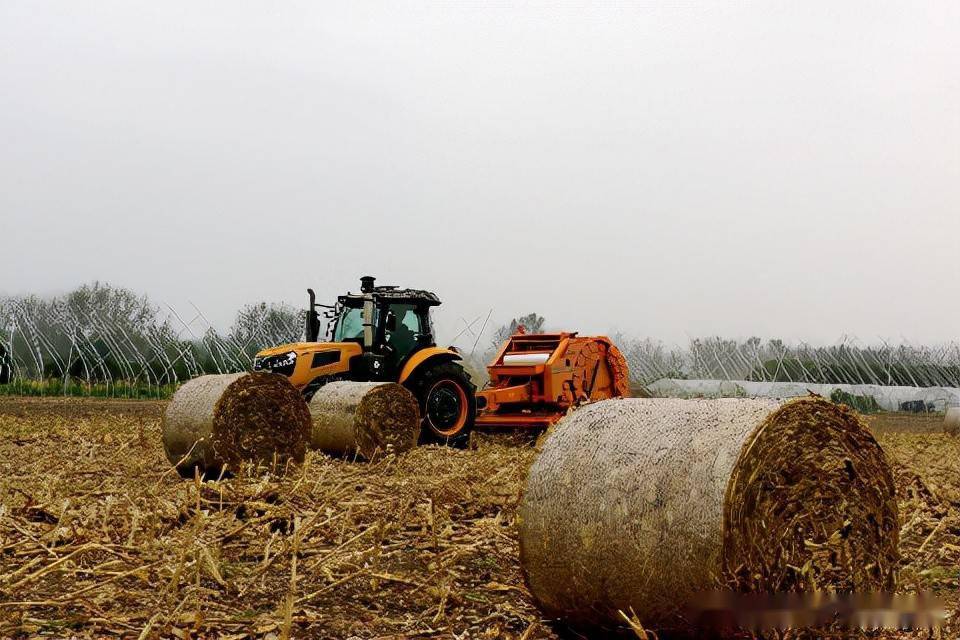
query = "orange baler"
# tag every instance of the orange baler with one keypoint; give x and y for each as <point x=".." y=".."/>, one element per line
<point x="536" y="378"/>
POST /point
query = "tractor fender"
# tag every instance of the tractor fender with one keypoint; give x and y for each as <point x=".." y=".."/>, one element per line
<point x="433" y="354"/>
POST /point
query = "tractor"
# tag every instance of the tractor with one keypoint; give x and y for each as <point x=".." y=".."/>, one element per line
<point x="382" y="334"/>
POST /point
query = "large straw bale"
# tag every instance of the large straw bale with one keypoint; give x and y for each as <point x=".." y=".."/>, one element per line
<point x="951" y="423"/>
<point x="644" y="503"/>
<point x="364" y="418"/>
<point x="227" y="419"/>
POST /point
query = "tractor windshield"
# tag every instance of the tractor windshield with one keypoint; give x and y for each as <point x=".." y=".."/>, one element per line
<point x="349" y="324"/>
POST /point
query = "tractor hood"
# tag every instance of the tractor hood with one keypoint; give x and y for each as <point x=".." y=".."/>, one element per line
<point x="301" y="362"/>
<point x="301" y="348"/>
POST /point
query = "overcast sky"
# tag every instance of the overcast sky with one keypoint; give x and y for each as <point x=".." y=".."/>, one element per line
<point x="669" y="170"/>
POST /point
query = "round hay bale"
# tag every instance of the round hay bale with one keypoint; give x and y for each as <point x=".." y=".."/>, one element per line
<point x="364" y="418"/>
<point x="951" y="423"/>
<point x="228" y="419"/>
<point x="644" y="503"/>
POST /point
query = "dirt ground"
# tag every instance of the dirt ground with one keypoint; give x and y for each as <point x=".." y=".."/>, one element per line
<point x="98" y="537"/>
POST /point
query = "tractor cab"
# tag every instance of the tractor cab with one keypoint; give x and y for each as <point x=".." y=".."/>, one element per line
<point x="390" y="324"/>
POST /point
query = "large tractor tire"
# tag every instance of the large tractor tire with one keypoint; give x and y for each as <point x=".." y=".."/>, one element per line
<point x="448" y="404"/>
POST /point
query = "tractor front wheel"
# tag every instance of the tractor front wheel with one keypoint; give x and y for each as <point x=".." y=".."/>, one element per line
<point x="448" y="405"/>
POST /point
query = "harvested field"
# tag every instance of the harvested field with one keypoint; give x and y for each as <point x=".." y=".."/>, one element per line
<point x="906" y="422"/>
<point x="99" y="537"/>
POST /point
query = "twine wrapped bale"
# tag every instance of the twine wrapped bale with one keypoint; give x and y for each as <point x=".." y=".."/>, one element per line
<point x="364" y="418"/>
<point x="644" y="503"/>
<point x="951" y="423"/>
<point x="219" y="420"/>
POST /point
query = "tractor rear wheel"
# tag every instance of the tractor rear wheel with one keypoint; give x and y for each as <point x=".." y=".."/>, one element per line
<point x="448" y="404"/>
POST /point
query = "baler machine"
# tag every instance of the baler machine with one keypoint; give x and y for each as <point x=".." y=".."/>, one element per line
<point x="537" y="378"/>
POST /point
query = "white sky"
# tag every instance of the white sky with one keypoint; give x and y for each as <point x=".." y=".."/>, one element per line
<point x="669" y="169"/>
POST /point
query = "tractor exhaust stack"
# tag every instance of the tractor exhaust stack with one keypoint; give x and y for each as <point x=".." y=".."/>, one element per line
<point x="313" y="320"/>
<point x="366" y="288"/>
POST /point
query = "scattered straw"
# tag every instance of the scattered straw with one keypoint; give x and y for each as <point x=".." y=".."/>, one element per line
<point x="139" y="567"/>
<point x="328" y="548"/>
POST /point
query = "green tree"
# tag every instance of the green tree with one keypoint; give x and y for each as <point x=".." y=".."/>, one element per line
<point x="532" y="323"/>
<point x="266" y="324"/>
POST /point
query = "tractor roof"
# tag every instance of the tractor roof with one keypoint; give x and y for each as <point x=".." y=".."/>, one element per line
<point x="393" y="294"/>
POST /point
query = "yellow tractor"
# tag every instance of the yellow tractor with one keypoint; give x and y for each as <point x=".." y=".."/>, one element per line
<point x="383" y="333"/>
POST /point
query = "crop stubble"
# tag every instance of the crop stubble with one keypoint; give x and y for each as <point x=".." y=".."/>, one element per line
<point x="98" y="536"/>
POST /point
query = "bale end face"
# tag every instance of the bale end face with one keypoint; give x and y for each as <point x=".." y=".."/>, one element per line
<point x="811" y="505"/>
<point x="261" y="418"/>
<point x="388" y="421"/>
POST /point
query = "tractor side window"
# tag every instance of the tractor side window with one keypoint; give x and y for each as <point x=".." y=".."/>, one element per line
<point x="426" y="325"/>
<point x="410" y="320"/>
<point x="403" y="338"/>
<point x="349" y="325"/>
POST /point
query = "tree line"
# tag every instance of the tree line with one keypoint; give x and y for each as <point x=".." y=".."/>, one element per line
<point x="105" y="340"/>
<point x="110" y="338"/>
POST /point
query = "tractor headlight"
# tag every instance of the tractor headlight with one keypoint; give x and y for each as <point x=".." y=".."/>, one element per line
<point x="282" y="363"/>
